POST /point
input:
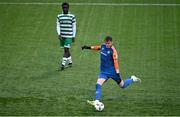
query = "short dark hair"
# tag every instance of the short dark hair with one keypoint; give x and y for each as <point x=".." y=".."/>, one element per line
<point x="108" y="38"/>
<point x="65" y="4"/>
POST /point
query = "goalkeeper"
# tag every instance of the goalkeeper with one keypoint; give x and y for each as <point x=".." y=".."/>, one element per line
<point x="109" y="67"/>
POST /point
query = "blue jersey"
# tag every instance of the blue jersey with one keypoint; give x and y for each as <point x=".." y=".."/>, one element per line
<point x="108" y="59"/>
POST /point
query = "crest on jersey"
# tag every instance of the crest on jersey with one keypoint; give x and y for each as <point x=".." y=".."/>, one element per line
<point x="108" y="52"/>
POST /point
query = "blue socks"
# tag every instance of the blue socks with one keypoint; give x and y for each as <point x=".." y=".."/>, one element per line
<point x="98" y="91"/>
<point x="127" y="82"/>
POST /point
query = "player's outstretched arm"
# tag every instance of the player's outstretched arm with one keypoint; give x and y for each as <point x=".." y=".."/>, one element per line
<point x="91" y="47"/>
<point x="86" y="47"/>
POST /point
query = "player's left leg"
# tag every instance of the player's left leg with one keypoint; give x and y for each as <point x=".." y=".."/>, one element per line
<point x="127" y="82"/>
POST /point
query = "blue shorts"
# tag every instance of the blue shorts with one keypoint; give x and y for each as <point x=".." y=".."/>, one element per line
<point x="107" y="76"/>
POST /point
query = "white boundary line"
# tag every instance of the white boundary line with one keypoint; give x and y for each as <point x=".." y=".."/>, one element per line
<point x="89" y="4"/>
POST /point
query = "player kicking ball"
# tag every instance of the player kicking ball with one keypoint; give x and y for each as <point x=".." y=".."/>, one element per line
<point x="109" y="68"/>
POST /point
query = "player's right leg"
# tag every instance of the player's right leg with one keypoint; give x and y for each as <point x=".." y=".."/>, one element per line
<point x="102" y="78"/>
<point x="64" y="59"/>
<point x="67" y="44"/>
<point x="99" y="84"/>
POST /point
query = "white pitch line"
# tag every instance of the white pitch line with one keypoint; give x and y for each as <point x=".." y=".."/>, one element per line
<point x="89" y="4"/>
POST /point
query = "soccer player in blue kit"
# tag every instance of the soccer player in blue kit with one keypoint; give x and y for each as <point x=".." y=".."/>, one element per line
<point x="109" y="68"/>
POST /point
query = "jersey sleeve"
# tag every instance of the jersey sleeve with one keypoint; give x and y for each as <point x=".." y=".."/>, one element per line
<point x="58" y="26"/>
<point x="74" y="25"/>
<point x="115" y="59"/>
<point x="98" y="47"/>
<point x="73" y="19"/>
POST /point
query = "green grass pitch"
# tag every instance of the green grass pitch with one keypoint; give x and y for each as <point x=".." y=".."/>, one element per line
<point x="147" y="39"/>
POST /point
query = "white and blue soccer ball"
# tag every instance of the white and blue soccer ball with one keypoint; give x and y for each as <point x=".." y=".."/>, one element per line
<point x="99" y="106"/>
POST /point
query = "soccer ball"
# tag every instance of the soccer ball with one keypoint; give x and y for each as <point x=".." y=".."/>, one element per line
<point x="99" y="106"/>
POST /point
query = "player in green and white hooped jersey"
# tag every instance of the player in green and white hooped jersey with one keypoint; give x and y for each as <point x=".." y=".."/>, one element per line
<point x="66" y="29"/>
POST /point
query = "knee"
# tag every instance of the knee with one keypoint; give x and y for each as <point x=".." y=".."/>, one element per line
<point x="100" y="82"/>
<point x="121" y="84"/>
